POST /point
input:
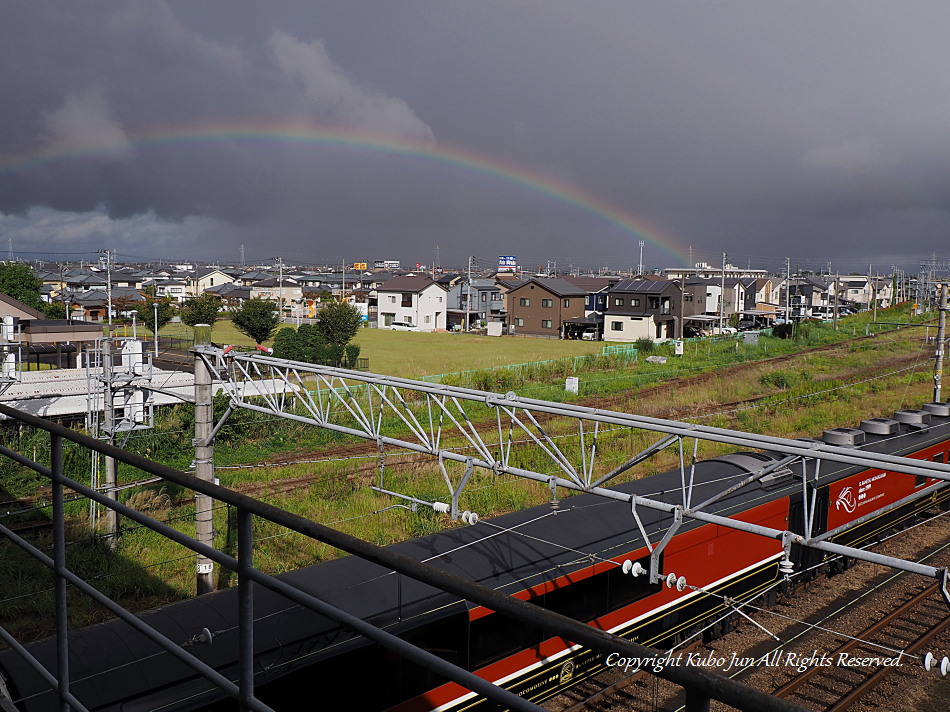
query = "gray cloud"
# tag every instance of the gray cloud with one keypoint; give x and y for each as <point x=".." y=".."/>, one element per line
<point x="753" y="129"/>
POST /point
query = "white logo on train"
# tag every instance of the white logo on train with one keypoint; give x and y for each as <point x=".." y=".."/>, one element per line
<point x="846" y="500"/>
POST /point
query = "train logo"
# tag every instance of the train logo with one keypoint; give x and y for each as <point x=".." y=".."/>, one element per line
<point x="846" y="500"/>
<point x="567" y="672"/>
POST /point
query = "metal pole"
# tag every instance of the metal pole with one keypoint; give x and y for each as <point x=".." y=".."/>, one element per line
<point x="109" y="481"/>
<point x="59" y="560"/>
<point x="245" y="535"/>
<point x="204" y="459"/>
<point x="155" y="306"/>
<point x="941" y="336"/>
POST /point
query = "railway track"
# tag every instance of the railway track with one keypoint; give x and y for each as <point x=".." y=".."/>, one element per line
<point x="920" y="623"/>
<point x="839" y="679"/>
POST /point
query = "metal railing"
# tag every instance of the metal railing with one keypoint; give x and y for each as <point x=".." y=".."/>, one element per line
<point x="700" y="685"/>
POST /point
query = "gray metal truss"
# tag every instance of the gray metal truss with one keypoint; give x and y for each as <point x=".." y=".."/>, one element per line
<point x="439" y="420"/>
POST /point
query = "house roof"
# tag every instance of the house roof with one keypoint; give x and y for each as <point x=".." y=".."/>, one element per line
<point x="642" y="286"/>
<point x="555" y="285"/>
<point x="592" y="285"/>
<point x="405" y="283"/>
<point x="14" y="307"/>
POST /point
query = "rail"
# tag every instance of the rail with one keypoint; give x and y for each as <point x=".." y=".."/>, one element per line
<point x="700" y="685"/>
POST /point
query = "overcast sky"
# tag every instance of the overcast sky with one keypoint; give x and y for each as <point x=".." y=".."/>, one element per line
<point x="567" y="131"/>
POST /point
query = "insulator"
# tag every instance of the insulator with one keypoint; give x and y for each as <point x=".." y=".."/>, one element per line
<point x="671" y="580"/>
<point x="945" y="666"/>
<point x="638" y="569"/>
<point x="465" y="515"/>
<point x="929" y="661"/>
<point x="680" y="583"/>
<point x="440" y="507"/>
<point x="627" y="566"/>
<point x="469" y="517"/>
<point x="786" y="567"/>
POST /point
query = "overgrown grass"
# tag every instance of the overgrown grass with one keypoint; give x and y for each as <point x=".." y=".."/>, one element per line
<point x="799" y="397"/>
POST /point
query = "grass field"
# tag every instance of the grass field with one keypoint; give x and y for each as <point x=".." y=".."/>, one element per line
<point x="411" y="355"/>
<point x="799" y="397"/>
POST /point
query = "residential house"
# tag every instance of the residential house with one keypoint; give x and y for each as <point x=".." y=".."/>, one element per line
<point x="545" y="306"/>
<point x="414" y="299"/>
<point x="288" y="292"/>
<point x="480" y="302"/>
<point x="706" y="300"/>
<point x="596" y="288"/>
<point x="206" y="279"/>
<point x="642" y="309"/>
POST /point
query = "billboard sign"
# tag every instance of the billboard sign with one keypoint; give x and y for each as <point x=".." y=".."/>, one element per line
<point x="507" y="263"/>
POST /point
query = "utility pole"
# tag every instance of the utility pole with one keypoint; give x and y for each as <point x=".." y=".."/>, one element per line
<point x="280" y="286"/>
<point x="108" y="254"/>
<point x="837" y="277"/>
<point x="109" y="481"/>
<point x="722" y="292"/>
<point x="468" y="296"/>
<point x="640" y="265"/>
<point x="788" y="290"/>
<point x="941" y="336"/>
<point x="343" y="287"/>
<point x="204" y="458"/>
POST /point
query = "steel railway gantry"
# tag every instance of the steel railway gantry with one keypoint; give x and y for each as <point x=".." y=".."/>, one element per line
<point x="439" y="420"/>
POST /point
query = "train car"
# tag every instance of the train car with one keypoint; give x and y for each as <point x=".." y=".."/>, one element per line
<point x="569" y="559"/>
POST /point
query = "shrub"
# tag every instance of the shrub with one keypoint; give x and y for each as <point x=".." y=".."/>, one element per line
<point x="644" y="344"/>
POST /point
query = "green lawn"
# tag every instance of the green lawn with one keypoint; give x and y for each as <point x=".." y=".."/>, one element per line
<point x="410" y="355"/>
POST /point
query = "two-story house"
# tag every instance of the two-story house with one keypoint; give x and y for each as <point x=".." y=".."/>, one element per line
<point x="479" y="302"/>
<point x="414" y="299"/>
<point x="542" y="307"/>
<point x="642" y="309"/>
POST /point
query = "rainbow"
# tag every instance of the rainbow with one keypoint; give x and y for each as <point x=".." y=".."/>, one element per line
<point x="364" y="141"/>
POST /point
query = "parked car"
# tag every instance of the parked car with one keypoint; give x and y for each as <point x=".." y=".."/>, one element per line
<point x="591" y="334"/>
<point x="403" y="326"/>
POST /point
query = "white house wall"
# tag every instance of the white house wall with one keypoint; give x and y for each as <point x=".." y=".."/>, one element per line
<point x="427" y="310"/>
<point x="630" y="328"/>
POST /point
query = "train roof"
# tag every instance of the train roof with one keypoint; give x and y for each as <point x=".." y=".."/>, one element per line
<point x="524" y="549"/>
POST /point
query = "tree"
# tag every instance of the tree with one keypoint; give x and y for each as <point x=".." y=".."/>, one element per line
<point x="257" y="319"/>
<point x="338" y="322"/>
<point x="201" y="310"/>
<point x="146" y="312"/>
<point x="289" y="345"/>
<point x="19" y="281"/>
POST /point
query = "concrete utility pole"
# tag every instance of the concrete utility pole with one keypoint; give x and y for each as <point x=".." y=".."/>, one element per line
<point x="640" y="264"/>
<point x="109" y="481"/>
<point x="722" y="292"/>
<point x="837" y="277"/>
<point x="941" y="337"/>
<point x="468" y="296"/>
<point x="204" y="458"/>
<point x="788" y="290"/>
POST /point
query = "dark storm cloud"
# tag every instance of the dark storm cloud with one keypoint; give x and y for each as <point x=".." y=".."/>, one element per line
<point x="756" y="129"/>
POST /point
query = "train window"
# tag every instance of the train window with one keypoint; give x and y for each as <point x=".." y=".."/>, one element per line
<point x="921" y="480"/>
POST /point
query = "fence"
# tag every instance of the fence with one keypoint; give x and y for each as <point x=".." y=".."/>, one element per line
<point x="568" y="364"/>
<point x="700" y="686"/>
